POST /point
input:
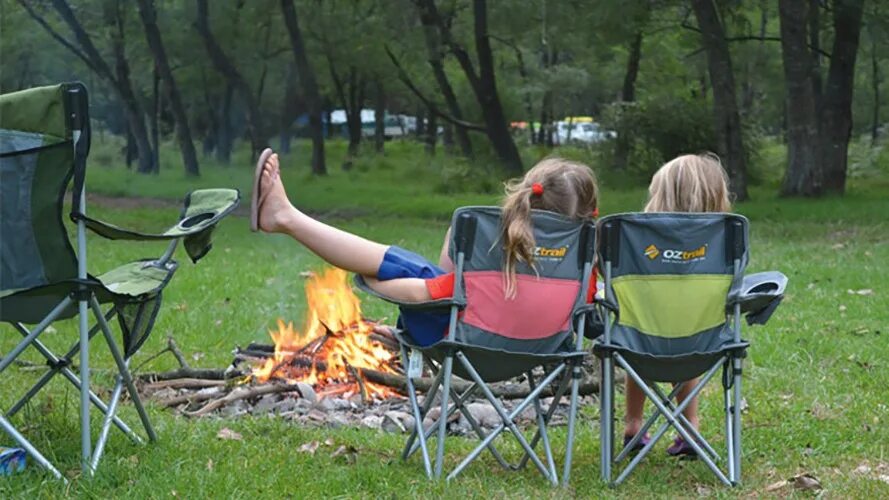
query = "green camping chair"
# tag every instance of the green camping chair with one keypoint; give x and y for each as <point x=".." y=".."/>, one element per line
<point x="44" y="142"/>
<point x="675" y="290"/>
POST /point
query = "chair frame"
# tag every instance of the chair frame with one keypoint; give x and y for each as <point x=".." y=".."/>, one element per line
<point x="731" y="362"/>
<point x="443" y="371"/>
<point x="84" y="296"/>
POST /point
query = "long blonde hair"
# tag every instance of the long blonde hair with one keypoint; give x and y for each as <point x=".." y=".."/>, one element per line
<point x="566" y="187"/>
<point x="690" y="183"/>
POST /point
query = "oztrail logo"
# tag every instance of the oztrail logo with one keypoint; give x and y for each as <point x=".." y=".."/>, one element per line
<point x="652" y="252"/>
<point x="558" y="253"/>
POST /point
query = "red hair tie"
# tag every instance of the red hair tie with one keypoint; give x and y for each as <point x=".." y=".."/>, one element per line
<point x="595" y="212"/>
<point x="537" y="189"/>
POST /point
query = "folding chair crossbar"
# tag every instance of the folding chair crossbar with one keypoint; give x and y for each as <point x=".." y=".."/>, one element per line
<point x="507" y="420"/>
<point x="459" y="400"/>
<point x="59" y="365"/>
<point x="688" y="433"/>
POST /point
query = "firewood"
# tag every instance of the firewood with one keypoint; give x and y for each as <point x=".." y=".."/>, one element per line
<point x="243" y="392"/>
<point x="183" y="383"/>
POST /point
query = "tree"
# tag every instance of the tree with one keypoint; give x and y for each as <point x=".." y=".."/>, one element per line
<point x="482" y="80"/>
<point x="836" y="102"/>
<point x="725" y="106"/>
<point x="119" y="79"/>
<point x="803" y="176"/>
<point x="227" y="69"/>
<point x="309" y="86"/>
<point x="155" y="43"/>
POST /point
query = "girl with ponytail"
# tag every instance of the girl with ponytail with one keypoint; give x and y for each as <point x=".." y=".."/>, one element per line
<point x="554" y="184"/>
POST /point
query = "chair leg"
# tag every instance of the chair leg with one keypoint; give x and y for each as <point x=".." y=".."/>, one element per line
<point x="418" y="420"/>
<point x="560" y="392"/>
<point x="443" y="418"/>
<point x="572" y="417"/>
<point x="85" y="440"/>
<point x="410" y="448"/>
<point x="24" y="443"/>
<point x="606" y="420"/>
<point x="541" y="426"/>
<point x="123" y="370"/>
<point x="106" y="423"/>
<point x="729" y="433"/>
<point x="17" y="350"/>
<point x="736" y="416"/>
<point x="668" y="403"/>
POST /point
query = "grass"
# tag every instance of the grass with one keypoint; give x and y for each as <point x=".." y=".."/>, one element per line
<point x="815" y="378"/>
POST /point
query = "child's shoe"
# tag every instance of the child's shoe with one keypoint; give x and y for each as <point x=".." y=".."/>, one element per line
<point x="680" y="448"/>
<point x="641" y="444"/>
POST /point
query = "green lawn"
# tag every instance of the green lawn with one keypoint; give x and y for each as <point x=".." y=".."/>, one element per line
<point x="815" y="379"/>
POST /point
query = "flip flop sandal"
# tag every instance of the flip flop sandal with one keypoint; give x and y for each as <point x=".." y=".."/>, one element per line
<point x="257" y="198"/>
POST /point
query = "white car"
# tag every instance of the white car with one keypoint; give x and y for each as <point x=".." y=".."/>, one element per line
<point x="586" y="133"/>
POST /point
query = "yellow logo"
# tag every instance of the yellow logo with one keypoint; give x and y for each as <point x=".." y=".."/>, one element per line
<point x="652" y="252"/>
<point x="550" y="252"/>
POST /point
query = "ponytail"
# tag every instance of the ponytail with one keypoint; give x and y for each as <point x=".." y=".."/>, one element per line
<point x="517" y="233"/>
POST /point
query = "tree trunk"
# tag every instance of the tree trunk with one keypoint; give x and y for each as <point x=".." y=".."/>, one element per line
<point x="309" y="86"/>
<point x="420" y="129"/>
<point x="162" y="66"/>
<point x="815" y="47"/>
<point x="836" y="104"/>
<point x="623" y="145"/>
<point x="227" y="69"/>
<point x="803" y="175"/>
<point x="156" y="118"/>
<point x="379" y="116"/>
<point x="432" y="134"/>
<point x="225" y="134"/>
<point x="487" y="96"/>
<point x="725" y="106"/>
<point x="435" y="51"/>
<point x="351" y="96"/>
<point x="447" y="138"/>
<point x="875" y="83"/>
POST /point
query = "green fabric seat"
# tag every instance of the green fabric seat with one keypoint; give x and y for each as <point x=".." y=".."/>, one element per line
<point x="44" y="144"/>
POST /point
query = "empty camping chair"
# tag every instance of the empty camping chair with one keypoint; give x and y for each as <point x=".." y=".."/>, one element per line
<point x="44" y="142"/>
<point x="491" y="338"/>
<point x="675" y="291"/>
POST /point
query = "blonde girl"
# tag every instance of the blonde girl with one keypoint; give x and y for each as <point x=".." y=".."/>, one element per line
<point x="689" y="183"/>
<point x="554" y="184"/>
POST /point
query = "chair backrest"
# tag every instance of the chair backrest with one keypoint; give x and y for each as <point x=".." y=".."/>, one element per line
<point x="538" y="318"/>
<point x="668" y="275"/>
<point x="44" y="140"/>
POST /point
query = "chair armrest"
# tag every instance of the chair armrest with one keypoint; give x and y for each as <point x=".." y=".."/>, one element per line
<point x="759" y="295"/>
<point x="202" y="210"/>
<point x="439" y="305"/>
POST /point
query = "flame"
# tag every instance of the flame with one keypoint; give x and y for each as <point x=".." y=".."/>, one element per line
<point x="335" y="342"/>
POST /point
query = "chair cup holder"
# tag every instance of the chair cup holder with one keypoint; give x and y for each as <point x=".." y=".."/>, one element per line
<point x="193" y="220"/>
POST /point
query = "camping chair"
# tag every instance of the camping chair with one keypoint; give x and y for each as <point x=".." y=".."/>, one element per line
<point x="675" y="290"/>
<point x="44" y="142"/>
<point x="492" y="340"/>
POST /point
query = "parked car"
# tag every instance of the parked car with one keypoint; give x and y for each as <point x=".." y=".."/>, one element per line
<point x="585" y="133"/>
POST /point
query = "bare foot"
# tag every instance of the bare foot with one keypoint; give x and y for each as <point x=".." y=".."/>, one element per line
<point x="275" y="207"/>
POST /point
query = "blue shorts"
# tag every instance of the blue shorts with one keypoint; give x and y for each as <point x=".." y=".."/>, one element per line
<point x="424" y="328"/>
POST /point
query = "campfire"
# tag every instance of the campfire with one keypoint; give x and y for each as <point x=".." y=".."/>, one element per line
<point x="333" y="348"/>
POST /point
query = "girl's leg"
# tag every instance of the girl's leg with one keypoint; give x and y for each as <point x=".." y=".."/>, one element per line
<point x="339" y="248"/>
<point x="635" y="405"/>
<point x="691" y="411"/>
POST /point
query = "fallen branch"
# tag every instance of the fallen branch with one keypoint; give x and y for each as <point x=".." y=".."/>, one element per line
<point x="243" y="392"/>
<point x="183" y="383"/>
<point x="203" y="373"/>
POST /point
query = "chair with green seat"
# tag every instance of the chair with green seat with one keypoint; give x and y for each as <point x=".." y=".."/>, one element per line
<point x="675" y="291"/>
<point x="44" y="143"/>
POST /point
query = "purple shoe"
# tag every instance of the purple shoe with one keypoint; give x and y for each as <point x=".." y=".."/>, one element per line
<point x="641" y="444"/>
<point x="680" y="448"/>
